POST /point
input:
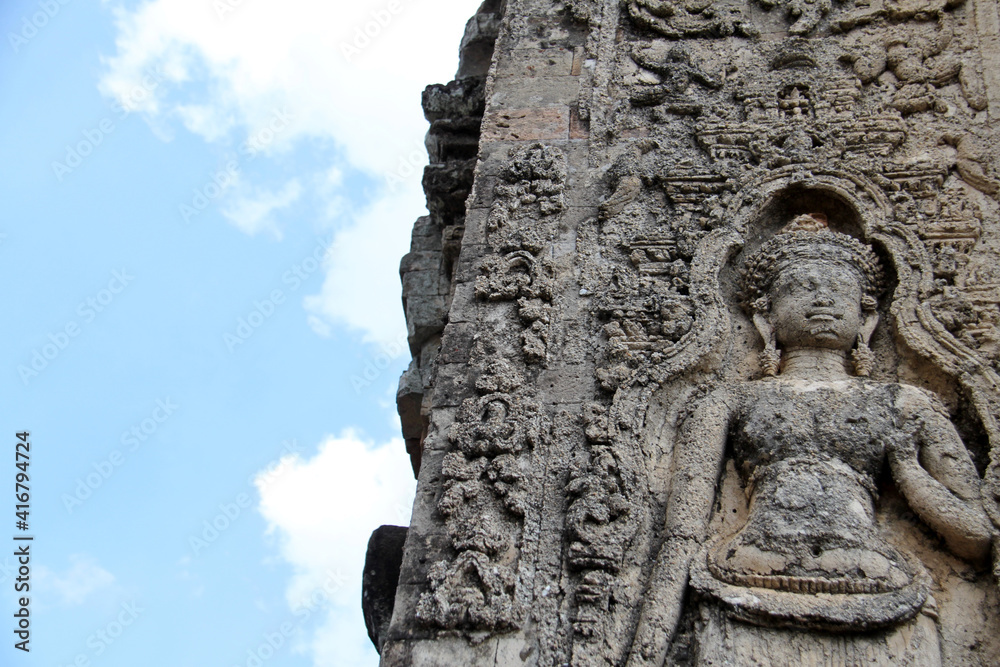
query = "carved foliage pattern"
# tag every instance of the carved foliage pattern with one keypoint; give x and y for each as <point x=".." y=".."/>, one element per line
<point x="642" y="292"/>
<point x="484" y="499"/>
<point x="898" y="79"/>
<point x="606" y="509"/>
<point x="676" y="19"/>
<point x="529" y="192"/>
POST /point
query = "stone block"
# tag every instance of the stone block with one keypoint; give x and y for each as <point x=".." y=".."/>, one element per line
<point x="424" y="284"/>
<point x="526" y="124"/>
<point x="425" y="316"/>
<point x="456" y="343"/>
<point x="537" y="92"/>
<point x="452" y="385"/>
<point x="426" y="260"/>
<point x="463" y="303"/>
<point x="381" y="576"/>
<point x="522" y="63"/>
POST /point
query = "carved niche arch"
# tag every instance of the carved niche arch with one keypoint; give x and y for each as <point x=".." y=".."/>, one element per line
<point x="855" y="205"/>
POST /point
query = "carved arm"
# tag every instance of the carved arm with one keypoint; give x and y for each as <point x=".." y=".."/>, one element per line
<point x="936" y="476"/>
<point x="698" y="463"/>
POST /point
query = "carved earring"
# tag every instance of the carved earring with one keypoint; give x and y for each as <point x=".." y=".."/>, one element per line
<point x="770" y="359"/>
<point x="864" y="358"/>
<point x="770" y="356"/>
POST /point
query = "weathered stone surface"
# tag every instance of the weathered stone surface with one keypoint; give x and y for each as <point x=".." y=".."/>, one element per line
<point x="455" y="111"/>
<point x="705" y="333"/>
<point x="381" y="577"/>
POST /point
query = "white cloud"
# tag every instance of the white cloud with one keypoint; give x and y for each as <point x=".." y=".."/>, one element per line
<point x="361" y="288"/>
<point x="334" y="177"/>
<point x="323" y="511"/>
<point x="319" y="326"/>
<point x="292" y="54"/>
<point x="349" y="75"/>
<point x="73" y="587"/>
<point x="202" y="119"/>
<point x="251" y="213"/>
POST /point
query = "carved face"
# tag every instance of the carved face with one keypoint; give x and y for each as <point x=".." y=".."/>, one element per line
<point x="816" y="304"/>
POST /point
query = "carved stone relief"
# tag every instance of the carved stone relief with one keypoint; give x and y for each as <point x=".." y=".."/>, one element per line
<point x="483" y="500"/>
<point x="808" y="448"/>
<point x="691" y="18"/>
<point x="742" y="403"/>
<point x="607" y="508"/>
<point x="882" y="105"/>
<point x="530" y="190"/>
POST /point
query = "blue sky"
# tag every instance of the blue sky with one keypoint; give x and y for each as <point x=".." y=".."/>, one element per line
<point x="205" y="203"/>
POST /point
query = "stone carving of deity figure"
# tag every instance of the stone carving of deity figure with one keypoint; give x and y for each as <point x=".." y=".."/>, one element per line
<point x="809" y="578"/>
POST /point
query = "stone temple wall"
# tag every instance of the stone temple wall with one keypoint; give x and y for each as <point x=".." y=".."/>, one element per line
<point x="597" y="341"/>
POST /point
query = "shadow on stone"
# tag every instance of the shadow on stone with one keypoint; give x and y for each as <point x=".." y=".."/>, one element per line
<point x="378" y="585"/>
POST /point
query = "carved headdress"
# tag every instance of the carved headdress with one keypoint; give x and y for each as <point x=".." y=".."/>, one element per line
<point x="808" y="237"/>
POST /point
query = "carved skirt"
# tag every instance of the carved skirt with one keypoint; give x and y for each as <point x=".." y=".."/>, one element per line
<point x="724" y="641"/>
<point x="740" y="626"/>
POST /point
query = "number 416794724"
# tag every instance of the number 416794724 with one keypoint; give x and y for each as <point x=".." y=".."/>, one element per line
<point x="22" y="492"/>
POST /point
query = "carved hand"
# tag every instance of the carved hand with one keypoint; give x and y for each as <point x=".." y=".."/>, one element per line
<point x="936" y="476"/>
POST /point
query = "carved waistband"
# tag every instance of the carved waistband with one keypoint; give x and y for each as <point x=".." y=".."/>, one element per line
<point x="777" y="582"/>
<point x="763" y="603"/>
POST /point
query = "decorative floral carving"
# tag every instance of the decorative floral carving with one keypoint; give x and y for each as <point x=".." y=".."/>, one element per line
<point x="530" y="189"/>
<point x="606" y="508"/>
<point x="471" y="592"/>
<point x="806" y="13"/>
<point x="665" y="78"/>
<point x="484" y="499"/>
<point x="691" y="18"/>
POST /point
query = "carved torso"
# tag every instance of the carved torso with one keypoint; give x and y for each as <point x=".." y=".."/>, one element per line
<point x="809" y="455"/>
<point x="845" y="421"/>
